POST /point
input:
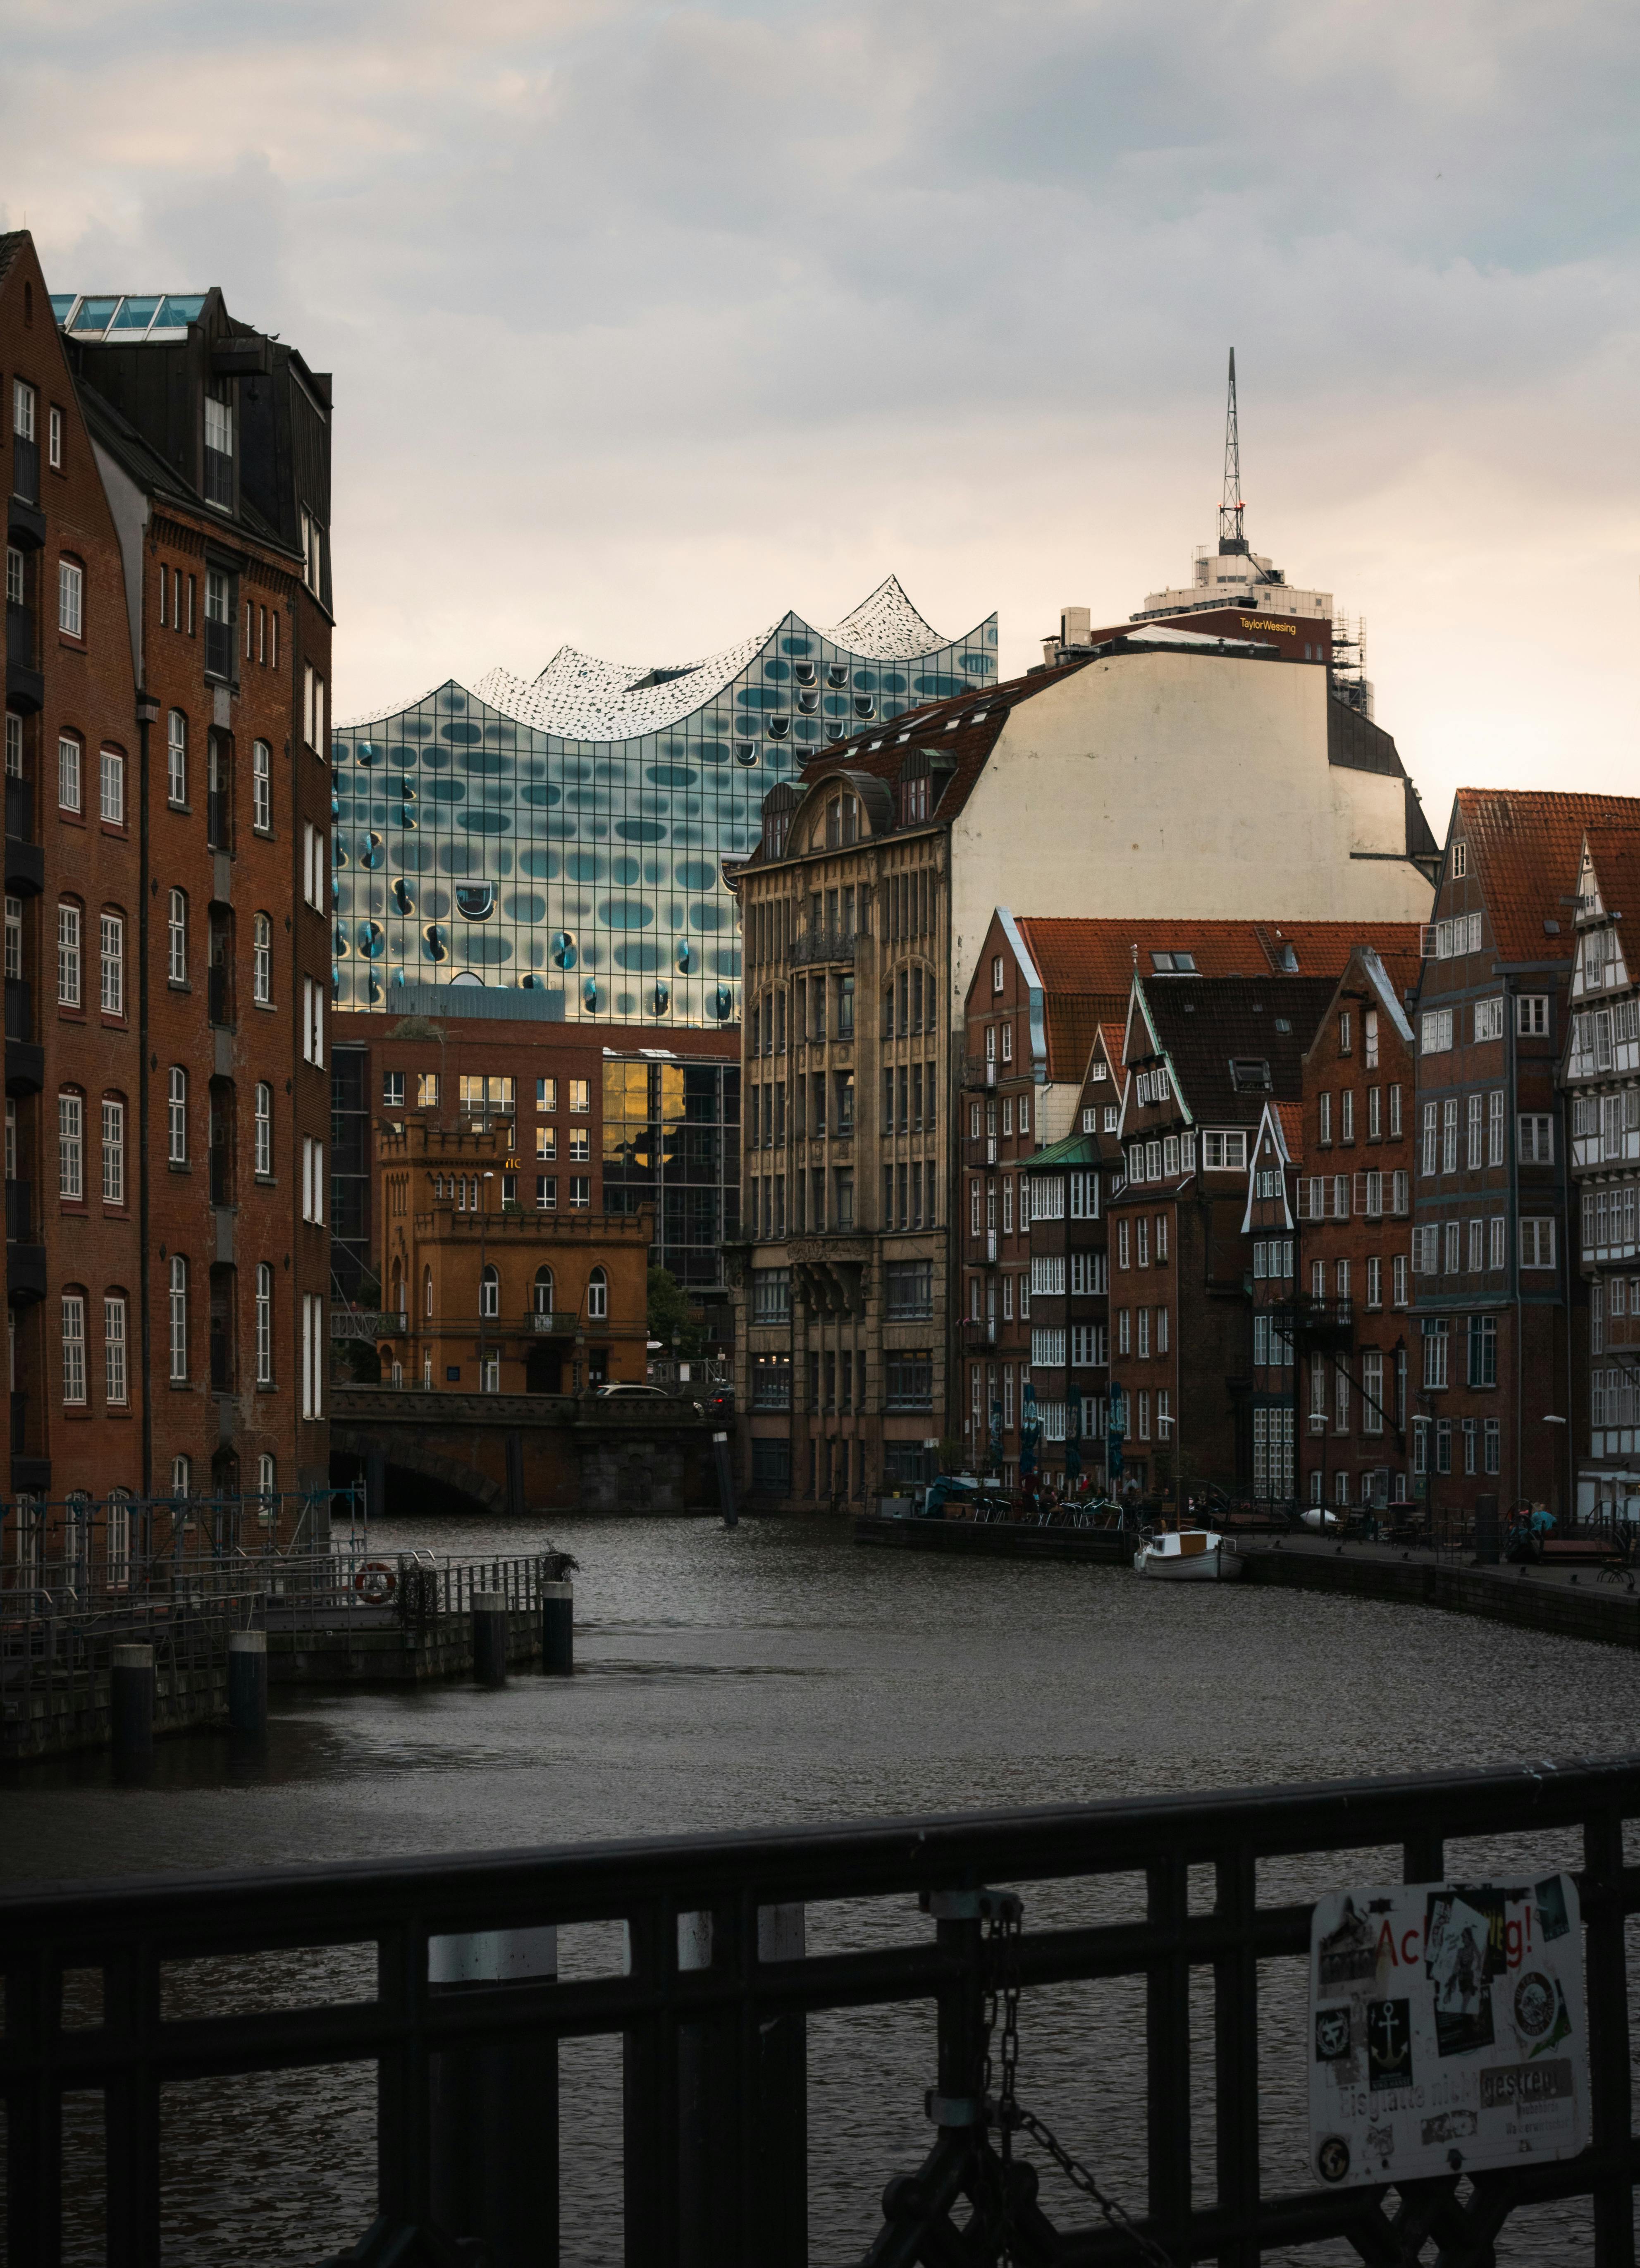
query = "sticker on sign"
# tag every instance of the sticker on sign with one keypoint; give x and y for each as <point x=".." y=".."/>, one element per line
<point x="1446" y="2029"/>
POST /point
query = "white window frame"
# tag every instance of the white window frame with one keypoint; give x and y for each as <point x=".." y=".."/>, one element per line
<point x="112" y="1151"/>
<point x="261" y="787"/>
<point x="111" y="785"/>
<point x="176" y="1116"/>
<point x="73" y="1350"/>
<point x="264" y="1323"/>
<point x="71" y="1147"/>
<point x="71" y="771"/>
<point x="176" y="758"/>
<point x="176" y="937"/>
<point x="111" y="963"/>
<point x="69" y="932"/>
<point x="263" y="1130"/>
<point x="71" y="598"/>
<point x="115" y="1353"/>
<point x="261" y="960"/>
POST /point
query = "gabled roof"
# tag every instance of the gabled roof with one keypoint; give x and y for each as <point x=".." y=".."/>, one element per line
<point x="1099" y="957"/>
<point x="1204" y="1025"/>
<point x="1283" y="1122"/>
<point x="963" y="731"/>
<point x="1614" y="855"/>
<point x="1290" y="1118"/>
<point x="1075" y="1150"/>
<point x="1525" y="850"/>
<point x="156" y="477"/>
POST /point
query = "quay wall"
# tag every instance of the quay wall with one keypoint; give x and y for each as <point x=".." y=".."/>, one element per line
<point x="79" y="1714"/>
<point x="1605" y="1614"/>
<point x="392" y="1654"/>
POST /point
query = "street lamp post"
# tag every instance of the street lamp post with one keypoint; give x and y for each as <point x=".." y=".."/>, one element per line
<point x="483" y="1229"/>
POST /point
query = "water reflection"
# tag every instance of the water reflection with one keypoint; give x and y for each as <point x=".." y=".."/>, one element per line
<point x="782" y="1674"/>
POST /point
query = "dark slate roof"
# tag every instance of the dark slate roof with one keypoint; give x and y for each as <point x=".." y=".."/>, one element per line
<point x="158" y="478"/>
<point x="1204" y="1023"/>
<point x="12" y="242"/>
<point x="959" y="733"/>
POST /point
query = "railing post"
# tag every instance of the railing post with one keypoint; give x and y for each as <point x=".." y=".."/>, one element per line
<point x="1236" y="2054"/>
<point x="494" y="2109"/>
<point x="1167" y="2043"/>
<point x="1607" y="1990"/>
<point x="649" y="2098"/>
<point x="780" y="2113"/>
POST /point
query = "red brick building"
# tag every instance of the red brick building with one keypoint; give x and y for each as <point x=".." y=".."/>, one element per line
<point x="1600" y="1072"/>
<point x="166" y="932"/>
<point x="1349" y="1322"/>
<point x="1042" y="993"/>
<point x="597" y="1129"/>
<point x="1271" y="1224"/>
<point x="1493" y="1391"/>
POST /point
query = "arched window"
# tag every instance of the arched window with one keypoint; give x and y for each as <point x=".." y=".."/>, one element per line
<point x="543" y="1291"/>
<point x="176" y="752"/>
<point x="73" y="1346"/>
<point x="179" y="1321"/>
<point x="489" y="1293"/>
<point x="176" y="937"/>
<point x="182" y="1476"/>
<point x="267" y="1484"/>
<point x="115" y="1349"/>
<point x="597" y="1296"/>
<point x="117" y="1539"/>
<point x="264" y="1323"/>
<point x="261" y="960"/>
<point x="176" y="1116"/>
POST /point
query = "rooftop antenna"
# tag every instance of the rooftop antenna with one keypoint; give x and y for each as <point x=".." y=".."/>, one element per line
<point x="1231" y="539"/>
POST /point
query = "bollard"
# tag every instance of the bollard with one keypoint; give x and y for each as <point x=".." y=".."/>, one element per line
<point x="558" y="1628"/>
<point x="493" y="2137"/>
<point x="131" y="1700"/>
<point x="725" y="1480"/>
<point x="490" y="1637"/>
<point x="247" y="1682"/>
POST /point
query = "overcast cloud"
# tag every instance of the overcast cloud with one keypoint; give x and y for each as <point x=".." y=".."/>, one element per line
<point x="648" y="322"/>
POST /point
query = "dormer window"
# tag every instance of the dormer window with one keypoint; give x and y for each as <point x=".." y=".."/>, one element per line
<point x="842" y="821"/>
<point x="1249" y="1075"/>
<point x="1166" y="964"/>
<point x="219" y="443"/>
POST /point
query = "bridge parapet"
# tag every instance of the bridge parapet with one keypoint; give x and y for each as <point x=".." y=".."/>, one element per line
<point x="516" y="1453"/>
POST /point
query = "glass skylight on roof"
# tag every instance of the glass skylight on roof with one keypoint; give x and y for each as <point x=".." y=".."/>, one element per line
<point x="135" y="314"/>
<point x="94" y="314"/>
<point x="62" y="302"/>
<point x="176" y="311"/>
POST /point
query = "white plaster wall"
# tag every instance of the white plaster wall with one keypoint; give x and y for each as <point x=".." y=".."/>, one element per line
<point x="1177" y="784"/>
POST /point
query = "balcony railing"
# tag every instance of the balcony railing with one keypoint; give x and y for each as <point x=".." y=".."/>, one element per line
<point x="24" y="469"/>
<point x="19" y="1009"/>
<point x="552" y="1323"/>
<point x="980" y="1150"/>
<point x="978" y="1071"/>
<point x="1309" y="1320"/>
<point x="827" y="941"/>
<point x="19" y="634"/>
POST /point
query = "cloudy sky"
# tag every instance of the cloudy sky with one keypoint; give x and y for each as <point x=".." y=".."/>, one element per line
<point x="650" y="321"/>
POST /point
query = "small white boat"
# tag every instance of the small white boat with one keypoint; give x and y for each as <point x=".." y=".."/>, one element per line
<point x="1197" y="1555"/>
<point x="1317" y="1517"/>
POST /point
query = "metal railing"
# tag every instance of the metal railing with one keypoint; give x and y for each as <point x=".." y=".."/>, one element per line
<point x="830" y="941"/>
<point x="710" y="2007"/>
<point x="59" y="1655"/>
<point x="84" y="1552"/>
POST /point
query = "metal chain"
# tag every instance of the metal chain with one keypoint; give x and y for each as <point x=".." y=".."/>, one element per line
<point x="1003" y="1997"/>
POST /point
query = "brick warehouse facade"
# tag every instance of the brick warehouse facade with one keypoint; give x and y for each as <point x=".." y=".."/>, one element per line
<point x="1493" y="1391"/>
<point x="177" y="955"/>
<point x="601" y="1130"/>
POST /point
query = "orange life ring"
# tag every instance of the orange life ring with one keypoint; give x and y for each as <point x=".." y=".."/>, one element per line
<point x="376" y="1582"/>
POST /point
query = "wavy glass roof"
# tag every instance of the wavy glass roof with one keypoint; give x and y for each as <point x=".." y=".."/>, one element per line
<point x="562" y="834"/>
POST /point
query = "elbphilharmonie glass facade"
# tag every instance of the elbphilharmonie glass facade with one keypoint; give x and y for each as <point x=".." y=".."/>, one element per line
<point x="564" y="833"/>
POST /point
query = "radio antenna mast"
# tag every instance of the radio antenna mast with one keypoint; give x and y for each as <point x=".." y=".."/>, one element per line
<point x="1231" y="539"/>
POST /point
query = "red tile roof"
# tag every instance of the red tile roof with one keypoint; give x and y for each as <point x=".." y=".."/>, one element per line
<point x="1098" y="958"/>
<point x="1615" y="852"/>
<point x="1525" y="849"/>
<point x="1292" y="1116"/>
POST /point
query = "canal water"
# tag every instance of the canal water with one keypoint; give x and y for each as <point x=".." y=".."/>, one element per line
<point x="778" y="1674"/>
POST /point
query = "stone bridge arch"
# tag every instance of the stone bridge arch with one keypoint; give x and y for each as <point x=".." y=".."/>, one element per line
<point x="379" y="1456"/>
